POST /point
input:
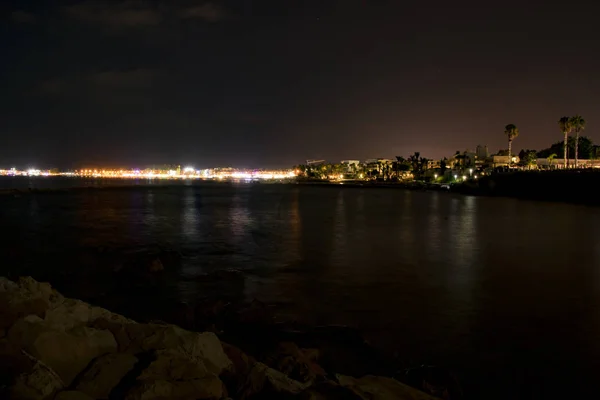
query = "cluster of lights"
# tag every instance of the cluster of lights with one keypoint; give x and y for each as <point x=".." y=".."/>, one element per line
<point x="186" y="173"/>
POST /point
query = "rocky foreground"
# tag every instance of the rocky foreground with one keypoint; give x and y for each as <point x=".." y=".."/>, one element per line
<point x="52" y="347"/>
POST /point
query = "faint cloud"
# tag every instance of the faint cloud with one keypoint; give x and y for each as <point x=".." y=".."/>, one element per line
<point x="208" y="11"/>
<point x="23" y="17"/>
<point x="115" y="14"/>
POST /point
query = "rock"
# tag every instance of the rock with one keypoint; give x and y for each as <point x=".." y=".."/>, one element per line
<point x="38" y="383"/>
<point x="196" y="346"/>
<point x="269" y="382"/>
<point x="433" y="380"/>
<point x="290" y="360"/>
<point x="71" y="313"/>
<point x="72" y="395"/>
<point x="175" y="375"/>
<point x="27" y="297"/>
<point x="172" y="365"/>
<point x="104" y="374"/>
<point x="242" y="365"/>
<point x="156" y="265"/>
<point x="67" y="353"/>
<point x="206" y="388"/>
<point x="380" y="388"/>
<point x="329" y="391"/>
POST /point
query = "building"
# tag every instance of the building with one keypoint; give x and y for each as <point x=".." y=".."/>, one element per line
<point x="502" y="161"/>
<point x="350" y="162"/>
<point x="482" y="152"/>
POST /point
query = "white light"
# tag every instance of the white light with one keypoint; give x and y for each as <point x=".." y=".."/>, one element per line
<point x="470" y="170"/>
<point x="475" y="177"/>
<point x="188" y="170"/>
<point x="464" y="177"/>
<point x="455" y="176"/>
<point x="434" y="176"/>
<point x="172" y="172"/>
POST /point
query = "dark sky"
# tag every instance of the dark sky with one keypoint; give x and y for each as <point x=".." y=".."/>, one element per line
<point x="271" y="83"/>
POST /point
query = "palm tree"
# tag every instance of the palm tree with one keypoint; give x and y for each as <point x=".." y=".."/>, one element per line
<point x="565" y="127"/>
<point x="550" y="158"/>
<point x="512" y="132"/>
<point x="578" y="124"/>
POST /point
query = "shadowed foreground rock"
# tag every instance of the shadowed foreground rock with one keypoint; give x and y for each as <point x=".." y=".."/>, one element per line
<point x="64" y="349"/>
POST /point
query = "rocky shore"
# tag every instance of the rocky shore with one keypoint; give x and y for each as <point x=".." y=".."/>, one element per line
<point x="52" y="347"/>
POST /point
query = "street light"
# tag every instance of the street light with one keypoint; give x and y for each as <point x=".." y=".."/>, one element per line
<point x="434" y="176"/>
<point x="464" y="177"/>
<point x="470" y="171"/>
<point x="455" y="177"/>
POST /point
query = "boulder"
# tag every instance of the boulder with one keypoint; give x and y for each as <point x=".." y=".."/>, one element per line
<point x="71" y="313"/>
<point x="380" y="388"/>
<point x="196" y="346"/>
<point x="172" y="365"/>
<point x="268" y="382"/>
<point x="242" y="365"/>
<point x="209" y="387"/>
<point x="295" y="363"/>
<point x="104" y="374"/>
<point x="38" y="383"/>
<point x="26" y="297"/>
<point x="329" y="391"/>
<point x="72" y="395"/>
<point x="13" y="362"/>
<point x="173" y="374"/>
<point x="67" y="353"/>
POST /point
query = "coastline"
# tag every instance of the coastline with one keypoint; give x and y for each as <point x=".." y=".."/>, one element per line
<point x="52" y="347"/>
<point x="570" y="186"/>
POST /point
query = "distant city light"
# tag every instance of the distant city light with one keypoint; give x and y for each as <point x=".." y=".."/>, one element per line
<point x="188" y="170"/>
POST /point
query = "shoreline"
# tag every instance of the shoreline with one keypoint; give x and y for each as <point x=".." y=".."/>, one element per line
<point x="52" y="347"/>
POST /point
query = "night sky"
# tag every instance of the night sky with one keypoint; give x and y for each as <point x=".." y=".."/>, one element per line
<point x="273" y="83"/>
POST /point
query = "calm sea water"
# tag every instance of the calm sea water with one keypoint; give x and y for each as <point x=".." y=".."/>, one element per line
<point x="504" y="292"/>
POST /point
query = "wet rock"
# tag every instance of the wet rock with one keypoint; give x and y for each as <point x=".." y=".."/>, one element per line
<point x="269" y="383"/>
<point x="67" y="353"/>
<point x="104" y="374"/>
<point x="41" y="382"/>
<point x="72" y="395"/>
<point x="380" y="388"/>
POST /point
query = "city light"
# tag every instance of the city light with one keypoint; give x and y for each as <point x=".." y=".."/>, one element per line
<point x="187" y="173"/>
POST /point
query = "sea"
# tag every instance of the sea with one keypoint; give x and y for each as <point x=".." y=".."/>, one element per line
<point x="504" y="293"/>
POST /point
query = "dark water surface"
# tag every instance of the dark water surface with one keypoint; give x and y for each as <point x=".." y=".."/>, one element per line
<point x="504" y="292"/>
